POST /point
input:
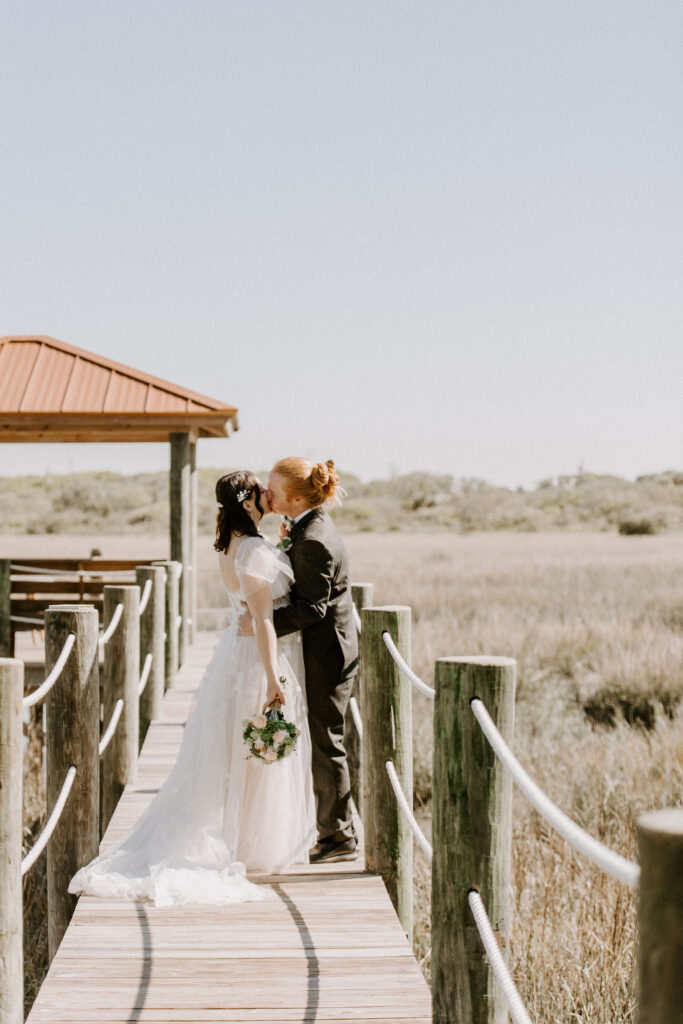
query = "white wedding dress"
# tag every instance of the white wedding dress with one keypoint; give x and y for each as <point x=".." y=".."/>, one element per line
<point x="221" y="812"/>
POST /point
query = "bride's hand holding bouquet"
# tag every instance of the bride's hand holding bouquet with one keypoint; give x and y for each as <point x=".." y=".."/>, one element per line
<point x="268" y="736"/>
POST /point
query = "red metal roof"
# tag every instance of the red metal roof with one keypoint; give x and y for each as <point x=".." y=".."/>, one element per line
<point x="48" y="387"/>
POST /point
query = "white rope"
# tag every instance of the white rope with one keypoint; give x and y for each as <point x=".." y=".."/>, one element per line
<point x="405" y="667"/>
<point x="356" y="618"/>
<point x="180" y="569"/>
<point x="144" y="675"/>
<point x="111" y="728"/>
<point x="178" y="622"/>
<point x="33" y="854"/>
<point x="146" y="591"/>
<point x="36" y="570"/>
<point x="44" y="688"/>
<point x="109" y="631"/>
<point x="512" y="997"/>
<point x="355" y="714"/>
<point x="31" y="622"/>
<point x="422" y="840"/>
<point x="613" y="863"/>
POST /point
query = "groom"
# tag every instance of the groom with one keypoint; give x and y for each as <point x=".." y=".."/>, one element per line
<point x="321" y="608"/>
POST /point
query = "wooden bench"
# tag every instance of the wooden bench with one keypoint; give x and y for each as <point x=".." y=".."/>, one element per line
<point x="37" y="583"/>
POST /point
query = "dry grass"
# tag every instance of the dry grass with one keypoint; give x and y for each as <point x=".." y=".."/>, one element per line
<point x="594" y="621"/>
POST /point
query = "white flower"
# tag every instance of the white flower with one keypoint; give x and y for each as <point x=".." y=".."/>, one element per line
<point x="258" y="721"/>
<point x="259" y="744"/>
<point x="280" y="736"/>
<point x="270" y="756"/>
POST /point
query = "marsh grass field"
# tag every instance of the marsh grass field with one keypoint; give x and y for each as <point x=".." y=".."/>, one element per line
<point x="595" y="622"/>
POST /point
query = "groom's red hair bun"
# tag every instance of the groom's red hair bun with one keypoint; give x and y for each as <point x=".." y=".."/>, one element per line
<point x="317" y="483"/>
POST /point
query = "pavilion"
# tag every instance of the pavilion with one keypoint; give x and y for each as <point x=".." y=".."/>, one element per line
<point x="52" y="391"/>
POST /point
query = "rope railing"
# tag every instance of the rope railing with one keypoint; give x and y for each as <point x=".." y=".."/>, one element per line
<point x="178" y="621"/>
<point x="144" y="675"/>
<point x="36" y="570"/>
<point x="498" y="966"/>
<point x="51" y="679"/>
<point x="28" y="620"/>
<point x="420" y="837"/>
<point x="109" y="631"/>
<point x="405" y="667"/>
<point x="613" y="863"/>
<point x="355" y="714"/>
<point x="144" y="599"/>
<point x="111" y="728"/>
<point x="51" y="823"/>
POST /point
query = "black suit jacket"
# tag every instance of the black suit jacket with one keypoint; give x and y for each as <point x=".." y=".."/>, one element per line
<point x="321" y="603"/>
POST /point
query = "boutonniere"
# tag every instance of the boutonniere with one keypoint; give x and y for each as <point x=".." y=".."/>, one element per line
<point x="285" y="530"/>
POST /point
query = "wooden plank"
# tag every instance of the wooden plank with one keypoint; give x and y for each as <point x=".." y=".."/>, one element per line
<point x="325" y="947"/>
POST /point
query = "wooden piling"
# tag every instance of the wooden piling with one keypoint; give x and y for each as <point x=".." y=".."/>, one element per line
<point x="171" y="663"/>
<point x="471" y="830"/>
<point x="71" y="738"/>
<point x="6" y="644"/>
<point x="362" y="598"/>
<point x="120" y="681"/>
<point x="194" y="523"/>
<point x="660" y="917"/>
<point x="152" y="642"/>
<point x="11" y="900"/>
<point x="180" y="525"/>
<point x="387" y="735"/>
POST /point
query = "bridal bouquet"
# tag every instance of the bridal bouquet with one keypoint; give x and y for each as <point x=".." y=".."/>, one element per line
<point x="269" y="737"/>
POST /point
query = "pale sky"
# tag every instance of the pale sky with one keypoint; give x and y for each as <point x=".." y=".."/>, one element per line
<point x="438" y="236"/>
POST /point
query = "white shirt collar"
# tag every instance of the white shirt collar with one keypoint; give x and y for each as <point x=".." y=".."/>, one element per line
<point x="301" y="515"/>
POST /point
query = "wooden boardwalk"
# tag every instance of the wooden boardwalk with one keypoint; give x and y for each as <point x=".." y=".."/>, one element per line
<point x="329" y="948"/>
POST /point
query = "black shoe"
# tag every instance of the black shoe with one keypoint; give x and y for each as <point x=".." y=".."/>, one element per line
<point x="326" y="850"/>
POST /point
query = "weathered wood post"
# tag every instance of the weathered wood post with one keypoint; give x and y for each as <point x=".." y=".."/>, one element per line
<point x="72" y="713"/>
<point x="11" y="900"/>
<point x="120" y="682"/>
<point x="180" y="524"/>
<point x="5" y="610"/>
<point x="660" y="917"/>
<point x="194" y="522"/>
<point x="362" y="598"/>
<point x="152" y="642"/>
<point x="171" y="619"/>
<point x="471" y="832"/>
<point x="387" y="735"/>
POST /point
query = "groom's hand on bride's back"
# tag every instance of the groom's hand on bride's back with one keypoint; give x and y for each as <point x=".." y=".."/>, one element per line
<point x="246" y="625"/>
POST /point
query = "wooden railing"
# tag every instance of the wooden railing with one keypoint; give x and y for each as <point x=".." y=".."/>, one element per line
<point x="470" y="850"/>
<point x="29" y="586"/>
<point x="88" y="761"/>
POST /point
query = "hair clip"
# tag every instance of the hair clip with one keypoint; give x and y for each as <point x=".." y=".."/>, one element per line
<point x="243" y="495"/>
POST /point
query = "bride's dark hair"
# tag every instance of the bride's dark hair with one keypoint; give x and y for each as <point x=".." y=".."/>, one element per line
<point x="231" y="493"/>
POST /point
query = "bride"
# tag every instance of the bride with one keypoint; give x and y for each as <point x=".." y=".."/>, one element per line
<point x="221" y="813"/>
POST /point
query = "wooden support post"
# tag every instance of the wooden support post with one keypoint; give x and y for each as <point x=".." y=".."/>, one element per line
<point x="6" y="644"/>
<point x="660" y="917"/>
<point x="120" y="681"/>
<point x="152" y="642"/>
<point x="72" y="713"/>
<point x="11" y="900"/>
<point x="171" y="619"/>
<point x="387" y="735"/>
<point x="194" y="520"/>
<point x="180" y="499"/>
<point x="362" y="598"/>
<point x="471" y="830"/>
